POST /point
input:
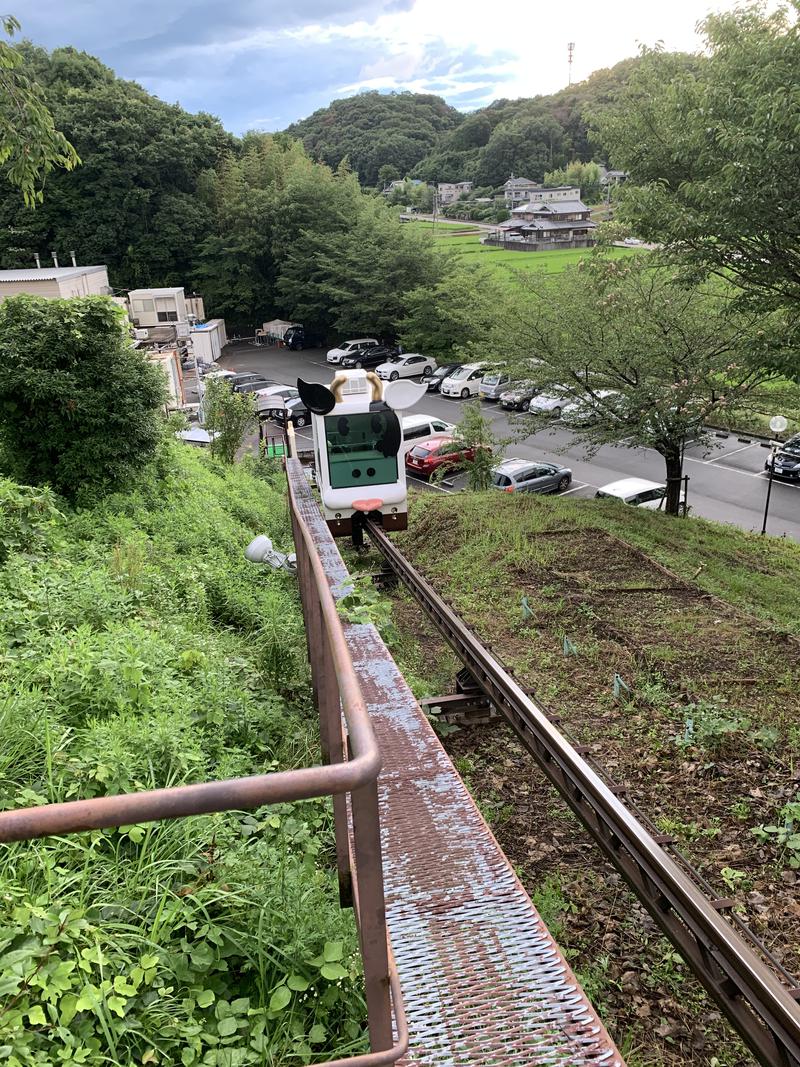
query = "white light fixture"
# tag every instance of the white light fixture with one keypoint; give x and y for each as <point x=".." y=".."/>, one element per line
<point x="261" y="550"/>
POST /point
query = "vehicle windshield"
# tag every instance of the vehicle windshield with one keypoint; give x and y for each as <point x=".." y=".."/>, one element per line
<point x="443" y="372"/>
<point x="395" y="359"/>
<point x="462" y="372"/>
<point x="491" y="379"/>
<point x="354" y="455"/>
<point x="419" y="452"/>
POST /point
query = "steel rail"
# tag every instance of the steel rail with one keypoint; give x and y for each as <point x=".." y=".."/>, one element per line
<point x="757" y="1004"/>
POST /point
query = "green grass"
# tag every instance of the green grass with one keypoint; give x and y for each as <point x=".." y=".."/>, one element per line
<point x="138" y="649"/>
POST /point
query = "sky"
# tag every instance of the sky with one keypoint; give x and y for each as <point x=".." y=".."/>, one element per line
<point x="262" y="64"/>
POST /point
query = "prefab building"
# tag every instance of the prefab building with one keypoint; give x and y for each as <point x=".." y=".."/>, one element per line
<point x="208" y="340"/>
<point x="55" y="283"/>
<point x="157" y="307"/>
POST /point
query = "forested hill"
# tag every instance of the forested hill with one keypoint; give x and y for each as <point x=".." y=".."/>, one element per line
<point x="383" y="135"/>
<point x="386" y="136"/>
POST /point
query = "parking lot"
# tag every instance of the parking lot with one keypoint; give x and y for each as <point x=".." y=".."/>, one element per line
<point x="727" y="478"/>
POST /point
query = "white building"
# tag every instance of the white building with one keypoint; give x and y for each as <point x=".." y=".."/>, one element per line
<point x="157" y="307"/>
<point x="208" y="339"/>
<point x="55" y="283"/>
<point x="521" y="191"/>
<point x="449" y="192"/>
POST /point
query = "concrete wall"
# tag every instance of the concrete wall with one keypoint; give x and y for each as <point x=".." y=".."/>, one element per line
<point x="94" y="284"/>
<point x="42" y="288"/>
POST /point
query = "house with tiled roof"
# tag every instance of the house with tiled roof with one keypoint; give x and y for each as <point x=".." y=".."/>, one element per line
<point x="541" y="225"/>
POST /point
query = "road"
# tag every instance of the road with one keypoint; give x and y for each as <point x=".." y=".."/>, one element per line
<point x="727" y="480"/>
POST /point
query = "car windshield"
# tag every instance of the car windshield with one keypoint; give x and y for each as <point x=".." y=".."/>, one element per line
<point x="443" y="372"/>
<point x="492" y="379"/>
<point x="462" y="372"/>
<point x="395" y="359"/>
<point x="419" y="452"/>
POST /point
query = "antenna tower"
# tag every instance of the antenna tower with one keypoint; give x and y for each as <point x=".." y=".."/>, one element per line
<point x="570" y="50"/>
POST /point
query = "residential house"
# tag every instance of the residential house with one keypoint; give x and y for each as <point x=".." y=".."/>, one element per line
<point x="400" y="183"/>
<point x="610" y="178"/>
<point x="55" y="283"/>
<point x="539" y="226"/>
<point x="516" y="190"/>
<point x="449" y="192"/>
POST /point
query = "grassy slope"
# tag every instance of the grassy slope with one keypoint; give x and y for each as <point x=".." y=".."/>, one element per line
<point x="708" y="741"/>
<point x="139" y="649"/>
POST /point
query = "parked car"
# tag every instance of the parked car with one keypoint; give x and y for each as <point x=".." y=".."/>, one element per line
<point x="274" y="394"/>
<point x="254" y="386"/>
<point x="369" y="358"/>
<point x="493" y="384"/>
<point x="585" y="411"/>
<point x="421" y="427"/>
<point x="426" y="457"/>
<point x="519" y="396"/>
<point x="638" y="492"/>
<point x="350" y="348"/>
<point x="410" y="365"/>
<point x="530" y="476"/>
<point x="787" y="460"/>
<point x="294" y="411"/>
<point x="465" y="382"/>
<point x="554" y="404"/>
<point x="447" y="370"/>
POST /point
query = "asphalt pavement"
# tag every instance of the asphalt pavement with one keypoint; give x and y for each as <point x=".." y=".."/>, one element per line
<point x="727" y="481"/>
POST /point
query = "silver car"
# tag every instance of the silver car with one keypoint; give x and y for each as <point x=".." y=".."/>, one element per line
<point x="493" y="384"/>
<point x="530" y="476"/>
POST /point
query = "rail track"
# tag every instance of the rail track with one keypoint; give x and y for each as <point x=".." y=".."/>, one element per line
<point x="759" y="998"/>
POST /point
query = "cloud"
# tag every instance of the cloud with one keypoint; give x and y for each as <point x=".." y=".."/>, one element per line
<point x="265" y="63"/>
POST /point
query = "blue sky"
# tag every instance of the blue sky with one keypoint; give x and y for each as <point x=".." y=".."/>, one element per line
<point x="259" y="64"/>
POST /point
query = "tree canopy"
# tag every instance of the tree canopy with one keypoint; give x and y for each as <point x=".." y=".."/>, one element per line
<point x="79" y="408"/>
<point x="30" y="145"/>
<point x="712" y="150"/>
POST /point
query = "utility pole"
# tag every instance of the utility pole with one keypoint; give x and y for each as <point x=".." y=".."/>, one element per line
<point x="570" y="50"/>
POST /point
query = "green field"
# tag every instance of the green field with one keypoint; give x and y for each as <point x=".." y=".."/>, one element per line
<point x="500" y="260"/>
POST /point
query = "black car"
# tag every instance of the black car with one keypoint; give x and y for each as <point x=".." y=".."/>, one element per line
<point x="787" y="460"/>
<point x="439" y="375"/>
<point x="295" y="412"/>
<point x="518" y="396"/>
<point x="370" y="357"/>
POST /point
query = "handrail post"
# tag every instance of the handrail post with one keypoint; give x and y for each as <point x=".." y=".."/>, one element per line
<point x="371" y="911"/>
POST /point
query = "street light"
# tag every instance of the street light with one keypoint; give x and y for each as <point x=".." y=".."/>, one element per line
<point x="777" y="424"/>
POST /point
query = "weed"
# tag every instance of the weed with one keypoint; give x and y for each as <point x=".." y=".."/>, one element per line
<point x="784" y="834"/>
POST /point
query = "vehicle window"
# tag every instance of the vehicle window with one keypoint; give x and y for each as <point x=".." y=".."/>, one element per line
<point x="526" y="474"/>
<point x="492" y="379"/>
<point x="650" y="494"/>
<point x="501" y="479"/>
<point x="415" y="431"/>
<point x="462" y="372"/>
<point x="418" y="452"/>
<point x="540" y="472"/>
<point x="475" y="374"/>
<point x="439" y="426"/>
<point x="354" y="457"/>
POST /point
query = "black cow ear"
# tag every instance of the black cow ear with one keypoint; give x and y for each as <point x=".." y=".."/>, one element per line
<point x="389" y="444"/>
<point x="317" y="398"/>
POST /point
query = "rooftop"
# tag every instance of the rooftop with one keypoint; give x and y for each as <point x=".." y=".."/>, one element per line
<point x="555" y="207"/>
<point x="46" y="274"/>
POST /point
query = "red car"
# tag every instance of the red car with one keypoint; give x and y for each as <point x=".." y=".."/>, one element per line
<point x="427" y="456"/>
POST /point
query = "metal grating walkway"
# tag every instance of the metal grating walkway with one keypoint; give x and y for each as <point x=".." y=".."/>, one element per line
<point x="483" y="981"/>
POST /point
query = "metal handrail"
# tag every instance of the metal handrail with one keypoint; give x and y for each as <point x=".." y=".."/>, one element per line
<point x="355" y="774"/>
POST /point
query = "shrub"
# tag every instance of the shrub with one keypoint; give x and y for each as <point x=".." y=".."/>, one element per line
<point x="78" y="406"/>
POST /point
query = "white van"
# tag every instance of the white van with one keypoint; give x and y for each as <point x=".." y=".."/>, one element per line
<point x="465" y="382"/>
<point x="421" y="427"/>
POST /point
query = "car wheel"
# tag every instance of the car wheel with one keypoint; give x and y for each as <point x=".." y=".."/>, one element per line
<point x="465" y="394"/>
<point x="359" y="364"/>
<point x="300" y="420"/>
<point x="394" y="376"/>
<point x="427" y="372"/>
<point x="556" y="412"/>
<point x="563" y="483"/>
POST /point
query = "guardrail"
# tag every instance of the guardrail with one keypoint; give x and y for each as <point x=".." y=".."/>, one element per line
<point x="348" y="770"/>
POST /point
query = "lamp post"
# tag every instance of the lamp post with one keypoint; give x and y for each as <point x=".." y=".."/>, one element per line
<point x="777" y="424"/>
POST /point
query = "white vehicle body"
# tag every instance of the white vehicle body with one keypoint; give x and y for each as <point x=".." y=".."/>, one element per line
<point x="423" y="427"/>
<point x="274" y="396"/>
<point x="465" y="382"/>
<point x="639" y="492"/>
<point x="409" y="365"/>
<point x="552" y="403"/>
<point x="347" y="348"/>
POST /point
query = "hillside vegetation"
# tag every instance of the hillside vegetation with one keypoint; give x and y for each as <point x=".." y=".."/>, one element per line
<point x="704" y="731"/>
<point x="140" y="650"/>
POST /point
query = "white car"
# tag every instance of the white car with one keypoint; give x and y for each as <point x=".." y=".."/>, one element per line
<point x="638" y="492"/>
<point x="466" y="381"/>
<point x="274" y="397"/>
<point x="349" y="348"/>
<point x="409" y="365"/>
<point x="554" y="404"/>
<point x="423" y="427"/>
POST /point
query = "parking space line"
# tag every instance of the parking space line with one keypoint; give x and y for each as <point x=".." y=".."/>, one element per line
<point x="733" y="452"/>
<point x="725" y="467"/>
<point x="575" y="488"/>
<point x="431" y="485"/>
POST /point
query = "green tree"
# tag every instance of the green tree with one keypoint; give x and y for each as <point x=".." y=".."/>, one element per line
<point x="229" y="416"/>
<point x="474" y="431"/>
<point x="78" y="406"/>
<point x="586" y="176"/>
<point x="30" y="145"/>
<point x="712" y="150"/>
<point x="641" y="358"/>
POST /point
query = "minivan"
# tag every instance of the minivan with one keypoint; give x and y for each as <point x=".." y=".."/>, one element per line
<point x="419" y="427"/>
<point x="465" y="382"/>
